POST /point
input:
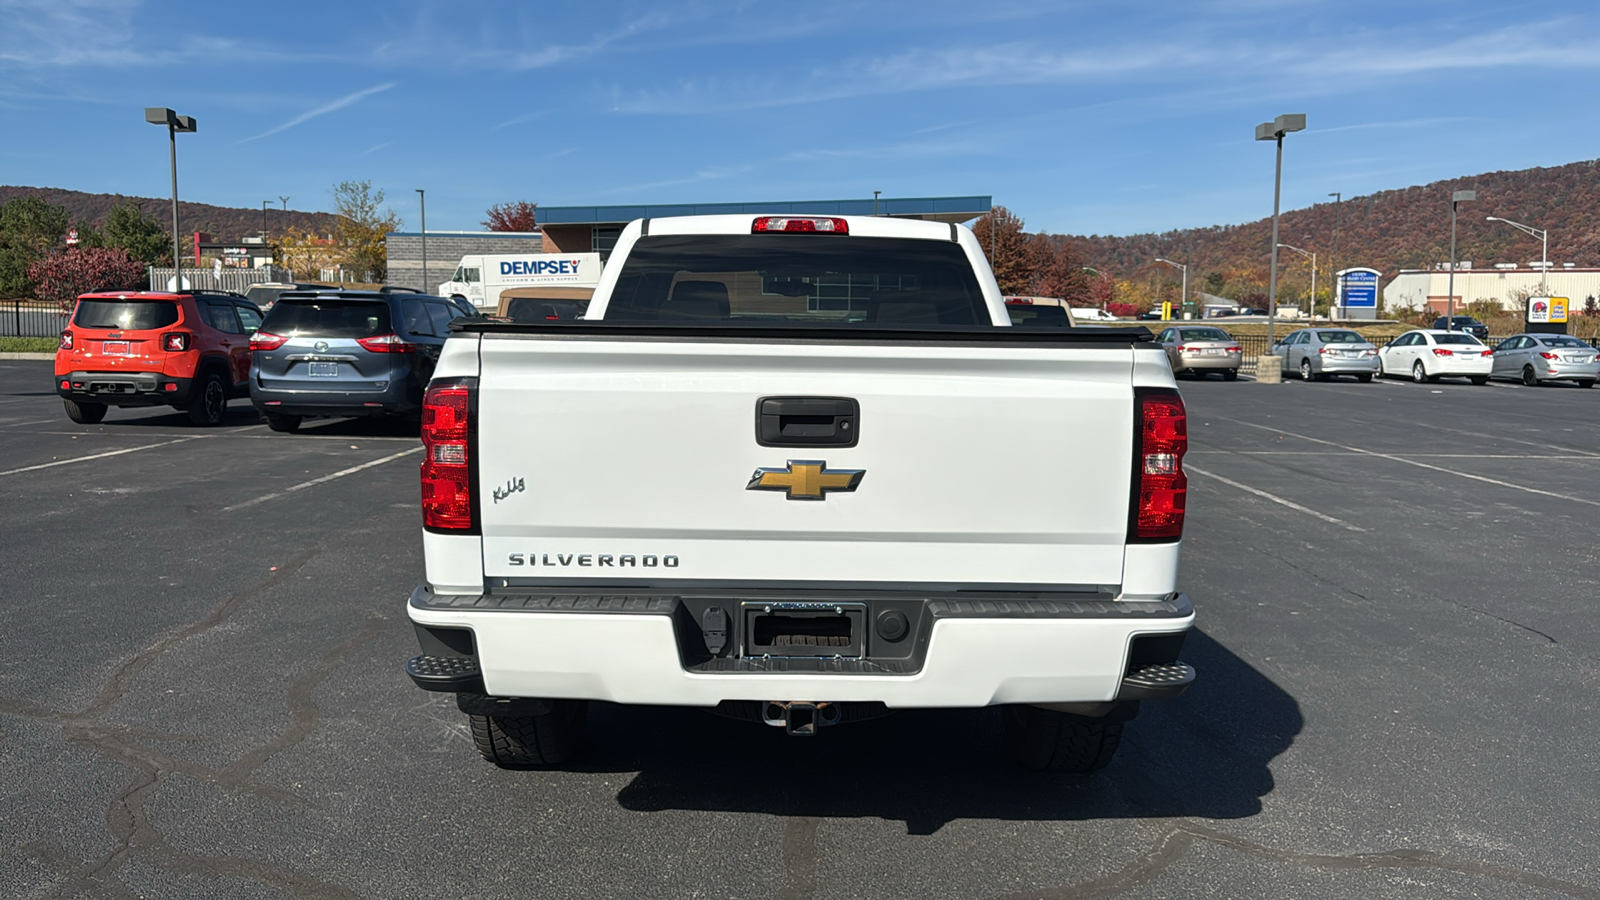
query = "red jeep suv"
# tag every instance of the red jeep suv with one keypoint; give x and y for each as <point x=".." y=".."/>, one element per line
<point x="190" y="351"/>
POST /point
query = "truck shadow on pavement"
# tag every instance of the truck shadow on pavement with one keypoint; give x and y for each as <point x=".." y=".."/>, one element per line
<point x="1205" y="754"/>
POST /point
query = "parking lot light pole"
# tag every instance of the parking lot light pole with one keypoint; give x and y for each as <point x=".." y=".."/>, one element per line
<point x="422" y="197"/>
<point x="264" y="205"/>
<point x="1274" y="131"/>
<point x="1544" y="254"/>
<point x="157" y="115"/>
<point x="1313" y="257"/>
<point x="1456" y="199"/>
<point x="1183" y="292"/>
<point x="1333" y="265"/>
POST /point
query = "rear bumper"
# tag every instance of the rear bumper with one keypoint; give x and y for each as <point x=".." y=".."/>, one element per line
<point x="124" y="388"/>
<point x="649" y="649"/>
<point x="1226" y="361"/>
<point x="1367" y="365"/>
<point x="399" y="397"/>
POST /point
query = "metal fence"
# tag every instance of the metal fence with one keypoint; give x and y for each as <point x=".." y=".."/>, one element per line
<point x="236" y="280"/>
<point x="29" y="318"/>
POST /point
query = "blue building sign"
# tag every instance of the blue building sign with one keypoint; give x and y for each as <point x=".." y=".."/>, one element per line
<point x="1358" y="288"/>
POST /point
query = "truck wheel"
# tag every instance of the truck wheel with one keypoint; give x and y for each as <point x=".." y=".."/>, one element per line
<point x="285" y="424"/>
<point x="513" y="742"/>
<point x="209" y="402"/>
<point x="84" y="413"/>
<point x="1051" y="741"/>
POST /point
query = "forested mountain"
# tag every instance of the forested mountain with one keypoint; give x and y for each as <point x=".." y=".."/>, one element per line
<point x="1407" y="228"/>
<point x="221" y="222"/>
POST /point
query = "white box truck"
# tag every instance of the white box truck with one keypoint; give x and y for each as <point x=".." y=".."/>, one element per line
<point x="482" y="279"/>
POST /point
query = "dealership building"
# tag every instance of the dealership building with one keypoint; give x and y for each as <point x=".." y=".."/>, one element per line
<point x="1507" y="284"/>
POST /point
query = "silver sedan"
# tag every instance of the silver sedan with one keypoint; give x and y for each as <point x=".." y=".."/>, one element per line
<point x="1536" y="358"/>
<point x="1200" y="349"/>
<point x="1321" y="353"/>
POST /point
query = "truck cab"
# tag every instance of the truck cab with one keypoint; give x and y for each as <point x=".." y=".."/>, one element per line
<point x="467" y="282"/>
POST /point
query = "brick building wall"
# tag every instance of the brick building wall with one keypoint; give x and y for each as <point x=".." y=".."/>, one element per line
<point x="445" y="249"/>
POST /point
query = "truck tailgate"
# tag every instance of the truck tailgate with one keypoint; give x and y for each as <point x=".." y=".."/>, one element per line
<point x="616" y="460"/>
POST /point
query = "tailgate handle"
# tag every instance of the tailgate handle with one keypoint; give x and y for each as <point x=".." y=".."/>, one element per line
<point x="807" y="422"/>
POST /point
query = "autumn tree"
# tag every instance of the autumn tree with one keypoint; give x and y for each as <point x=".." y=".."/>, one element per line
<point x="517" y="216"/>
<point x="1057" y="271"/>
<point x="303" y="253"/>
<point x="363" y="227"/>
<point x="63" y="276"/>
<point x="30" y="229"/>
<point x="999" y="231"/>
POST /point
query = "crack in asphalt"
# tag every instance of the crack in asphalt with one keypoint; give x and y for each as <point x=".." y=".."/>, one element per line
<point x="126" y="817"/>
<point x="1175" y="843"/>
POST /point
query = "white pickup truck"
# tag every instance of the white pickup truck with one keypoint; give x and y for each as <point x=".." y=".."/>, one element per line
<point x="797" y="470"/>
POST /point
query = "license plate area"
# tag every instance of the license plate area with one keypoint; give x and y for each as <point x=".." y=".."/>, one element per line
<point x="804" y="629"/>
<point x="322" y="369"/>
<point x="116" y="348"/>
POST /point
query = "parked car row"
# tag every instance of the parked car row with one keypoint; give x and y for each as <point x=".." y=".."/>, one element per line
<point x="316" y="352"/>
<point x="1426" y="355"/>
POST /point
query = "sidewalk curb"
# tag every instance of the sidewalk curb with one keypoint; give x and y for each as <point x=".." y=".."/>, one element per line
<point x="27" y="356"/>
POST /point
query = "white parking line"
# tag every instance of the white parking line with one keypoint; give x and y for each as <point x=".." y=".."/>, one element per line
<point x="315" y="481"/>
<point x="1422" y="465"/>
<point x="1274" y="498"/>
<point x="78" y="459"/>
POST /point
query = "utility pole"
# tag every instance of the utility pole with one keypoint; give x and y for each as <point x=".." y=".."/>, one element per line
<point x="1333" y="264"/>
<point x="264" y="205"/>
<point x="1450" y="301"/>
<point x="422" y="196"/>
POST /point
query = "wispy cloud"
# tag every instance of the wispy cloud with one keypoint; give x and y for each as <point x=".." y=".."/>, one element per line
<point x="377" y="147"/>
<point x="696" y="178"/>
<point x="323" y="110"/>
<point x="104" y="34"/>
<point x="1397" y="123"/>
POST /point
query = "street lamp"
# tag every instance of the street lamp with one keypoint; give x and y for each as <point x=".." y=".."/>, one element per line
<point x="157" y="115"/>
<point x="1456" y="198"/>
<point x="264" y="205"/>
<point x="1183" y="293"/>
<point x="1313" y="257"/>
<point x="1338" y="213"/>
<point x="422" y="196"/>
<point x="1544" y="254"/>
<point x="1274" y="131"/>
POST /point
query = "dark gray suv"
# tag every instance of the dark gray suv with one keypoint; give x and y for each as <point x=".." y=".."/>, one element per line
<point x="346" y="353"/>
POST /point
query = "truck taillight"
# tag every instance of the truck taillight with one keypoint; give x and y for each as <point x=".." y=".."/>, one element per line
<point x="1159" y="485"/>
<point x="804" y="224"/>
<point x="447" y="464"/>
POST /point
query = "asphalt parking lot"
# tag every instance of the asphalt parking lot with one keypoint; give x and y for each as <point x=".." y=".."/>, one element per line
<point x="1398" y="649"/>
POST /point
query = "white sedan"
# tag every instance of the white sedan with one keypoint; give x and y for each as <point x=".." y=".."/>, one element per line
<point x="1429" y="354"/>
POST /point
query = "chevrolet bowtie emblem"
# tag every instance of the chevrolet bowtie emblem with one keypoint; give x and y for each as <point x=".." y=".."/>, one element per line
<point x="806" y="479"/>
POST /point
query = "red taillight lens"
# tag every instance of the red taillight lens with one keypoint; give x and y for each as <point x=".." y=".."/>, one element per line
<point x="386" y="343"/>
<point x="175" y="341"/>
<point x="1235" y="349"/>
<point x="1182" y="348"/>
<point x="1159" y="485"/>
<point x="265" y="340"/>
<point x="815" y="224"/>
<point x="66" y="340"/>
<point x="447" y="462"/>
<point x="1440" y="351"/>
<point x="1549" y="355"/>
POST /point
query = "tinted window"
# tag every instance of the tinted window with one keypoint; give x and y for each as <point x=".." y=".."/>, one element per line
<point x="533" y="309"/>
<point x="442" y="315"/>
<point x="414" y="317"/>
<point x="1569" y="342"/>
<point x="223" y="318"/>
<point x="328" y="317"/>
<point x="791" y="279"/>
<point x="1340" y="337"/>
<point x="249" y="318"/>
<point x="1204" y="334"/>
<point x="127" y="315"/>
<point x="1039" y="316"/>
<point x="1455" y="339"/>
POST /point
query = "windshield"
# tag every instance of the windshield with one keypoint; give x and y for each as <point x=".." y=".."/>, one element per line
<point x="1203" y="334"/>
<point x="127" y="315"/>
<point x="1456" y="339"/>
<point x="785" y="279"/>
<point x="1567" y="342"/>
<point x="325" y="317"/>
<point x="1340" y="337"/>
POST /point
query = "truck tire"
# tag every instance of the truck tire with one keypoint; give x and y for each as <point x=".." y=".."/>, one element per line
<point x="84" y="413"/>
<point x="1049" y="741"/>
<point x="209" y="401"/>
<point x="517" y="742"/>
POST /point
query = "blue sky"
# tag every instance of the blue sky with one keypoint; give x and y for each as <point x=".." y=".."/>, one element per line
<point x="1107" y="118"/>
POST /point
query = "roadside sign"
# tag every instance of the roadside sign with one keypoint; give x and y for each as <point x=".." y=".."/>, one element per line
<point x="1358" y="288"/>
<point x="1547" y="310"/>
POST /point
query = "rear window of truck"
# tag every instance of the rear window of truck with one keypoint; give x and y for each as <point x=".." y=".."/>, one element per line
<point x="126" y="315"/>
<point x="784" y="279"/>
<point x="328" y="318"/>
